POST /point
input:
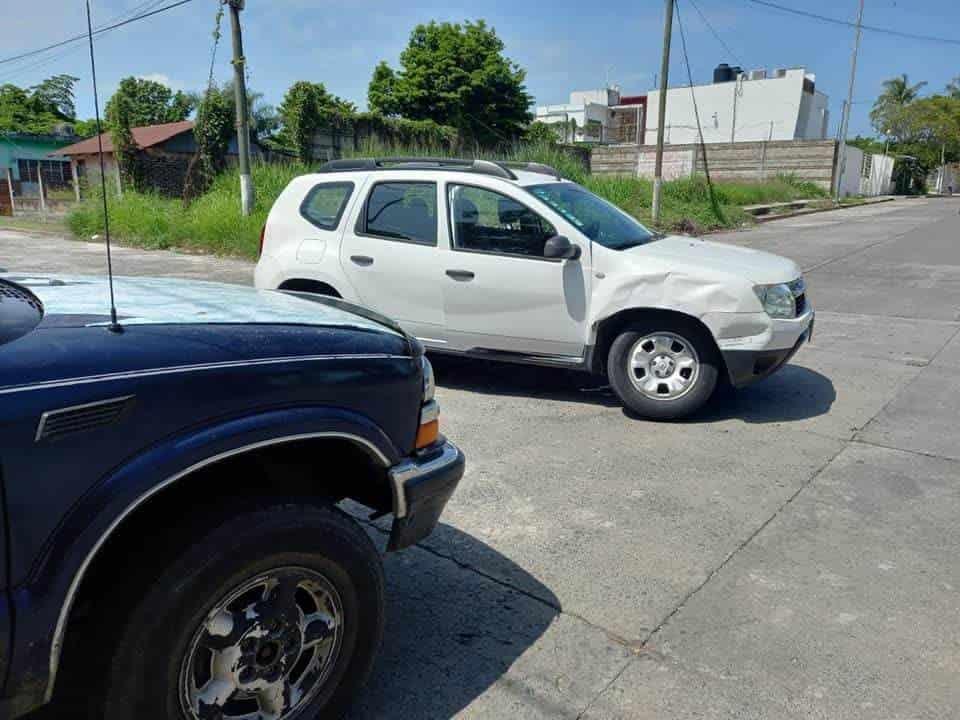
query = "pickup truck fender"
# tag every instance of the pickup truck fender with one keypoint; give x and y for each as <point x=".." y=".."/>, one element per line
<point x="42" y="604"/>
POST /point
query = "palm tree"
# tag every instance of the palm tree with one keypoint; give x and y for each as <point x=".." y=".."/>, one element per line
<point x="887" y="114"/>
<point x="899" y="91"/>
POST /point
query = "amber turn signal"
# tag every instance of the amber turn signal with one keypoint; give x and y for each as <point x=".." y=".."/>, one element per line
<point x="427" y="434"/>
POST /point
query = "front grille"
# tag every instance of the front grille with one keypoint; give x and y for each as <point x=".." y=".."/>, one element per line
<point x="799" y="289"/>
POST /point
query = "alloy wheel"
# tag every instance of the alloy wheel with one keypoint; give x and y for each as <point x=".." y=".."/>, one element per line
<point x="265" y="650"/>
<point x="663" y="366"/>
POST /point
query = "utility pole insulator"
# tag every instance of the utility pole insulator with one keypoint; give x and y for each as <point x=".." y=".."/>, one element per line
<point x="662" y="111"/>
<point x="243" y="120"/>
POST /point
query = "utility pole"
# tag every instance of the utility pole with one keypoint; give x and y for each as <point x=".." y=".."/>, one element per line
<point x="662" y="111"/>
<point x="943" y="169"/>
<point x="845" y="122"/>
<point x="243" y="123"/>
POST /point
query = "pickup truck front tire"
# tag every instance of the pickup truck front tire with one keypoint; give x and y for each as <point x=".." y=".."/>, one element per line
<point x="278" y="610"/>
<point x="663" y="370"/>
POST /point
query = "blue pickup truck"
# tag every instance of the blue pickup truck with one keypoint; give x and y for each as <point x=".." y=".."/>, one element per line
<point x="170" y="540"/>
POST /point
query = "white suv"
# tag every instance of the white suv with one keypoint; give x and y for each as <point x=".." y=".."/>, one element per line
<point x="514" y="263"/>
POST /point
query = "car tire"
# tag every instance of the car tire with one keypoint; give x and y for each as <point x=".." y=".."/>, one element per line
<point x="316" y="555"/>
<point x="663" y="370"/>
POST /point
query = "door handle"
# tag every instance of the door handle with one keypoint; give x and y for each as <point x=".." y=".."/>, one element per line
<point x="461" y="275"/>
<point x="363" y="260"/>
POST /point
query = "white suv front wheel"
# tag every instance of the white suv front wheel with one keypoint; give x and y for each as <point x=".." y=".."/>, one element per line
<point x="663" y="371"/>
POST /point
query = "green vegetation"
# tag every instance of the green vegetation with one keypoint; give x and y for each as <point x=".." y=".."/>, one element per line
<point x="147" y="102"/>
<point x="52" y="224"/>
<point x="456" y="75"/>
<point x="921" y="131"/>
<point x="213" y="223"/>
<point x="40" y="109"/>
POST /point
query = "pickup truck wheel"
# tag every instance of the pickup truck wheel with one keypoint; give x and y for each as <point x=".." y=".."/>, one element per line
<point x="277" y="613"/>
<point x="663" y="373"/>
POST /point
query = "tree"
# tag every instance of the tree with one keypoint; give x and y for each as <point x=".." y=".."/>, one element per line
<point x="307" y="107"/>
<point x="147" y="102"/>
<point x="456" y="75"/>
<point x="214" y="128"/>
<point x="889" y="111"/>
<point x="124" y="146"/>
<point x="540" y="132"/>
<point x="953" y="87"/>
<point x="85" y="128"/>
<point x="381" y="94"/>
<point x="56" y="93"/>
<point x="36" y="110"/>
<point x="264" y="120"/>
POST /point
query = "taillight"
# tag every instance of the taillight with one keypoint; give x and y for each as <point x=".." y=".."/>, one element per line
<point x="263" y="234"/>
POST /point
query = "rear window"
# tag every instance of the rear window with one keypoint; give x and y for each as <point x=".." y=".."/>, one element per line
<point x="404" y="211"/>
<point x="325" y="203"/>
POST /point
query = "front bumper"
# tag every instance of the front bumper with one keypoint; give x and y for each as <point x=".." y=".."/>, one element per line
<point x="422" y="485"/>
<point x="747" y="366"/>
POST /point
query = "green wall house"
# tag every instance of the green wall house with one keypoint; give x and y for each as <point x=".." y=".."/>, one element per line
<point x="27" y="155"/>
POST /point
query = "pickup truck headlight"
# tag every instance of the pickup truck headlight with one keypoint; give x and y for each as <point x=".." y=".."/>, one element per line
<point x="429" y="384"/>
<point x="777" y="300"/>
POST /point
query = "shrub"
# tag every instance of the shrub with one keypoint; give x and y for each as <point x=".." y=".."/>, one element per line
<point x="213" y="222"/>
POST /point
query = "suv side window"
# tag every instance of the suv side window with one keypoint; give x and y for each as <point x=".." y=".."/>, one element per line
<point x="405" y="211"/>
<point x="486" y="221"/>
<point x="324" y="204"/>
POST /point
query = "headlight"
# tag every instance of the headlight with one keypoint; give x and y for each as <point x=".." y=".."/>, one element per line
<point x="429" y="384"/>
<point x="777" y="300"/>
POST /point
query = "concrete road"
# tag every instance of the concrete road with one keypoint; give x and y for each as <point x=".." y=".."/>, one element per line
<point x="792" y="553"/>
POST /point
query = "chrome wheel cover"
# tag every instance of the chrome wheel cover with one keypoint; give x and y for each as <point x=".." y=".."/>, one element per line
<point x="265" y="650"/>
<point x="663" y="366"/>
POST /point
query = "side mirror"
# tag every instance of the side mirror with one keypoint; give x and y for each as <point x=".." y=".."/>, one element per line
<point x="560" y="247"/>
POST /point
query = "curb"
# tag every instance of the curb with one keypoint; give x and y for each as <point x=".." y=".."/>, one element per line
<point x="813" y="211"/>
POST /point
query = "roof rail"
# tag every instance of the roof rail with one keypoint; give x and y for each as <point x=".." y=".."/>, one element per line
<point x="484" y="167"/>
<point x="535" y="167"/>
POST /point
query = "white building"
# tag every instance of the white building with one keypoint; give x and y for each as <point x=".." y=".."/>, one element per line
<point x="597" y="116"/>
<point x="782" y="105"/>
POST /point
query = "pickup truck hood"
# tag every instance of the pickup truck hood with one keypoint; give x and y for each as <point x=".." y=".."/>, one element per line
<point x="755" y="265"/>
<point x="78" y="301"/>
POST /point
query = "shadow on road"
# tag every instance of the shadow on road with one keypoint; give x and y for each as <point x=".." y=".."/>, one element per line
<point x="793" y="393"/>
<point x="451" y="633"/>
<point x="514" y="380"/>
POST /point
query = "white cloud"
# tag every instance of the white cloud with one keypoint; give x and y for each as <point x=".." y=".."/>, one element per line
<point x="159" y="78"/>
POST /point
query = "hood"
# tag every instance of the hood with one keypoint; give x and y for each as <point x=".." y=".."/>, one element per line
<point x="78" y="301"/>
<point x="759" y="267"/>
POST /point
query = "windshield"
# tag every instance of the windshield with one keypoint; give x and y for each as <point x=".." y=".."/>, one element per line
<point x="599" y="220"/>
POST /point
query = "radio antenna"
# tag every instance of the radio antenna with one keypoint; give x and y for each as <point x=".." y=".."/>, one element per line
<point x="114" y="325"/>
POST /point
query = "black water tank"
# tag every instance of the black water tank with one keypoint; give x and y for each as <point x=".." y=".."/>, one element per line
<point x="723" y="73"/>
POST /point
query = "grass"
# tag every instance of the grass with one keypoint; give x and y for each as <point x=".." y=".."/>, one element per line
<point x="213" y="222"/>
<point x="54" y="224"/>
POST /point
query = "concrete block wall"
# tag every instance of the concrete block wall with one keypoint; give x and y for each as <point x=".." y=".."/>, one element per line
<point x="811" y="160"/>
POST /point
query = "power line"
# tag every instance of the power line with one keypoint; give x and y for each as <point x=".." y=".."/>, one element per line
<point x="32" y="63"/>
<point x="715" y="204"/>
<point x="847" y="23"/>
<point x="719" y="39"/>
<point x="99" y="31"/>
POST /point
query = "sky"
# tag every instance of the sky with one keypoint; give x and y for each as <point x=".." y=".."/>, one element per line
<point x="563" y="45"/>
